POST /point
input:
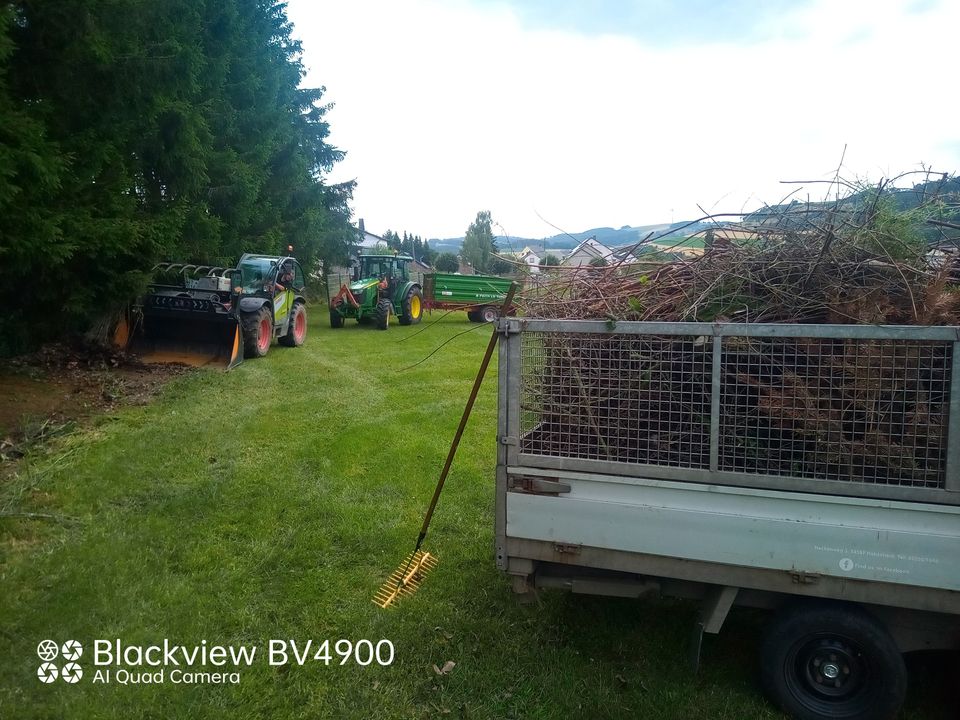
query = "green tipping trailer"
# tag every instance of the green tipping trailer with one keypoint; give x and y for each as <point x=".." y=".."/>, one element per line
<point x="480" y="295"/>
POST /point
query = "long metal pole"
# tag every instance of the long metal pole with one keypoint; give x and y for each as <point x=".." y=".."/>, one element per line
<point x="504" y="309"/>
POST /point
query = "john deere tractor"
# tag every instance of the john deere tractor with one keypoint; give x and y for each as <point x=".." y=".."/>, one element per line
<point x="381" y="287"/>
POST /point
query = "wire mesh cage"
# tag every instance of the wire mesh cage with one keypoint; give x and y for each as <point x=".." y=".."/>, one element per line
<point x="847" y="404"/>
<point x="870" y="411"/>
<point x="627" y="398"/>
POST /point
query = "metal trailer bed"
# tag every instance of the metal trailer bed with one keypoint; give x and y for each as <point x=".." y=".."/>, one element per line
<point x="713" y="461"/>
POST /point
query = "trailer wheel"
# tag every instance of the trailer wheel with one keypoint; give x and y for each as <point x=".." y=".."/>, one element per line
<point x="412" y="307"/>
<point x="257" y="333"/>
<point x="384" y="308"/>
<point x="297" y="332"/>
<point x="489" y="314"/>
<point x="474" y="316"/>
<point x="823" y="661"/>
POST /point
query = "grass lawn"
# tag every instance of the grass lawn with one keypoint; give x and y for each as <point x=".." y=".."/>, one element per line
<point x="272" y="501"/>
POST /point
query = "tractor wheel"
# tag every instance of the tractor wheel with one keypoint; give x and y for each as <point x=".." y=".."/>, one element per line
<point x="257" y="333"/>
<point x="297" y="331"/>
<point x="489" y="314"/>
<point x="336" y="319"/>
<point x="384" y="308"/>
<point x="412" y="307"/>
<point x="825" y="660"/>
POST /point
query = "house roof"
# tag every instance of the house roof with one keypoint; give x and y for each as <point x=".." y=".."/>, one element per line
<point x="593" y="247"/>
<point x="596" y="249"/>
<point x="369" y="240"/>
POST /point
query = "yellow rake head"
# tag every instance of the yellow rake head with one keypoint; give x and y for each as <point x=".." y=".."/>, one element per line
<point x="406" y="579"/>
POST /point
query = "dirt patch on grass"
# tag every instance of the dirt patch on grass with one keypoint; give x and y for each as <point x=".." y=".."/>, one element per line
<point x="52" y="391"/>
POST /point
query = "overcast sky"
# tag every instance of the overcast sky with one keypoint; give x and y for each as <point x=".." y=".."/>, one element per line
<point x="611" y="113"/>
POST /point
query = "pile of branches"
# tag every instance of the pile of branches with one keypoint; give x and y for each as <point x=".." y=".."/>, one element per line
<point x="842" y="409"/>
<point x="846" y="264"/>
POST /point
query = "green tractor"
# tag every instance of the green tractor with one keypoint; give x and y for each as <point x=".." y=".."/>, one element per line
<point x="381" y="287"/>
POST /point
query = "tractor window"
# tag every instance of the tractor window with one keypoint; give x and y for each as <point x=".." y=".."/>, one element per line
<point x="255" y="273"/>
<point x="375" y="267"/>
<point x="298" y="281"/>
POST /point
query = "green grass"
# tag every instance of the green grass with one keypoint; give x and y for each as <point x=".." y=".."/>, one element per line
<point x="271" y="502"/>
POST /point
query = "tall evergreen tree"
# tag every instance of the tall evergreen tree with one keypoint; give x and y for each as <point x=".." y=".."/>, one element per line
<point x="132" y="132"/>
<point x="478" y="244"/>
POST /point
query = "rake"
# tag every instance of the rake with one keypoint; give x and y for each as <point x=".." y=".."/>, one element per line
<point x="406" y="579"/>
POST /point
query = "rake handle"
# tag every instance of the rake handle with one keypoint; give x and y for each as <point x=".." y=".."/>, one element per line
<point x="504" y="309"/>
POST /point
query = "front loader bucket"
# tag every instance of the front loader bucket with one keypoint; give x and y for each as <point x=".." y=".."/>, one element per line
<point x="198" y="340"/>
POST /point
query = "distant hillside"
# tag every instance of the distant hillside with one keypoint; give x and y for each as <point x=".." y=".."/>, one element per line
<point x="611" y="237"/>
<point x="947" y="187"/>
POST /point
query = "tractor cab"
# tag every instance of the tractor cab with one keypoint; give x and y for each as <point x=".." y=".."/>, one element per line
<point x="380" y="275"/>
<point x="267" y="276"/>
<point x="382" y="266"/>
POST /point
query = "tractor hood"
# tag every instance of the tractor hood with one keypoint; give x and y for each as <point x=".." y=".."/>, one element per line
<point x="361" y="285"/>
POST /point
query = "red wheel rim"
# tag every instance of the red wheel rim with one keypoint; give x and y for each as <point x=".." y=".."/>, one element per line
<point x="263" y="341"/>
<point x="300" y="327"/>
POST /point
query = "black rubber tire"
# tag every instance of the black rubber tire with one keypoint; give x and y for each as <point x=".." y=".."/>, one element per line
<point x="291" y="339"/>
<point x="407" y="318"/>
<point x="253" y="324"/>
<point x="474" y="316"/>
<point x="489" y="313"/>
<point x="384" y="308"/>
<point x="336" y="319"/>
<point x="807" y="638"/>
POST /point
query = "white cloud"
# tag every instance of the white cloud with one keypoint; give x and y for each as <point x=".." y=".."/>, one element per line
<point x="446" y="109"/>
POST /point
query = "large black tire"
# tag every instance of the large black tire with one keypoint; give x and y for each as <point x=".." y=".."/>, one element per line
<point x="824" y="661"/>
<point x="257" y="332"/>
<point x="384" y="308"/>
<point x="489" y="313"/>
<point x="336" y="319"/>
<point x="412" y="307"/>
<point x="474" y="316"/>
<point x="296" y="327"/>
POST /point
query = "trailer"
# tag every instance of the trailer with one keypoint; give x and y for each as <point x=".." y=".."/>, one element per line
<point x="480" y="295"/>
<point x="813" y="470"/>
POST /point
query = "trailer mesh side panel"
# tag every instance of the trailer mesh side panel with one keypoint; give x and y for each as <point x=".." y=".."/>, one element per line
<point x="626" y="398"/>
<point x="871" y="411"/>
<point x="836" y="409"/>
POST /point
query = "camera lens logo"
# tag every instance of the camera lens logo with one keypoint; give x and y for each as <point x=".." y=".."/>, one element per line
<point x="71" y="651"/>
<point x="47" y="672"/>
<point x="71" y="673"/>
<point x="48" y="650"/>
